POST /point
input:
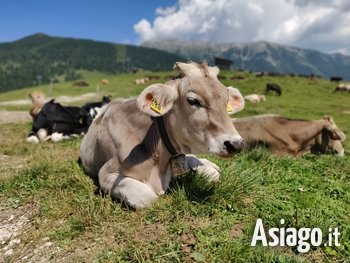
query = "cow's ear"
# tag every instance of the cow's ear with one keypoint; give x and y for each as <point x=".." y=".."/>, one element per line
<point x="157" y="99"/>
<point x="214" y="70"/>
<point x="335" y="134"/>
<point x="235" y="101"/>
<point x="329" y="118"/>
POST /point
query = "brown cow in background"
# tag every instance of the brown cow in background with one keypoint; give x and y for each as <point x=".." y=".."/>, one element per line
<point x="294" y="137"/>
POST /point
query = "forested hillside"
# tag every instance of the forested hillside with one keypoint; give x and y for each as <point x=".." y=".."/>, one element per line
<point x="40" y="59"/>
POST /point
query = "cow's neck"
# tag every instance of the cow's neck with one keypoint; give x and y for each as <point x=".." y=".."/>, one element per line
<point x="164" y="135"/>
<point x="151" y="148"/>
<point x="177" y="163"/>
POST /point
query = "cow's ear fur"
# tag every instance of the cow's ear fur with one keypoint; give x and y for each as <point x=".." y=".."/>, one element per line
<point x="157" y="99"/>
<point x="235" y="101"/>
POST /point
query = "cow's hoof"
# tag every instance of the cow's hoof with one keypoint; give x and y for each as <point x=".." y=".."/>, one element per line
<point x="211" y="171"/>
<point x="33" y="139"/>
<point x="205" y="167"/>
<point x="56" y="137"/>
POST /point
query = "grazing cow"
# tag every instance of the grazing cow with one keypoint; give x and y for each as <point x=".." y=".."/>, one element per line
<point x="336" y="79"/>
<point x="80" y="83"/>
<point x="169" y="77"/>
<point x="273" y="87"/>
<point x="141" y="81"/>
<point x="342" y="87"/>
<point x="105" y="82"/>
<point x="238" y="78"/>
<point x="293" y="137"/>
<point x="314" y="77"/>
<point x="254" y="98"/>
<point x="134" y="146"/>
<point x="261" y="74"/>
<point x="57" y="122"/>
<point x="38" y="100"/>
<point x="152" y="77"/>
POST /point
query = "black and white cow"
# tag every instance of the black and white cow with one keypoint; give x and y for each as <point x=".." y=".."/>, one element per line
<point x="93" y="108"/>
<point x="57" y="122"/>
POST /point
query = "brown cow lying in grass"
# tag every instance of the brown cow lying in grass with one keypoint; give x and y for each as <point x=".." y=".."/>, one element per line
<point x="135" y="146"/>
<point x="293" y="137"/>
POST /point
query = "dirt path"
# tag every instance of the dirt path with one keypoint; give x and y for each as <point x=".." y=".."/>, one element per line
<point x="14" y="116"/>
<point x="61" y="99"/>
<point x="23" y="116"/>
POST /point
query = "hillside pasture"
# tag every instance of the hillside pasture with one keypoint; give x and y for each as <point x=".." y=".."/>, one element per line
<point x="51" y="211"/>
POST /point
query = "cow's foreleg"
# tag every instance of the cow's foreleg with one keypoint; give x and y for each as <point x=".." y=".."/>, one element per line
<point x="203" y="166"/>
<point x="126" y="189"/>
<point x="135" y="193"/>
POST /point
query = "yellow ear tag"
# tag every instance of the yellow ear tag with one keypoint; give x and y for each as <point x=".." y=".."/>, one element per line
<point x="155" y="106"/>
<point x="229" y="108"/>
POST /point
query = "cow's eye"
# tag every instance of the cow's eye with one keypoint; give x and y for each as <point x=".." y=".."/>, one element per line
<point x="194" y="102"/>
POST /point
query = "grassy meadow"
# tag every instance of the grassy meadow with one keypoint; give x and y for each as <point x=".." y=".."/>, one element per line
<point x="69" y="220"/>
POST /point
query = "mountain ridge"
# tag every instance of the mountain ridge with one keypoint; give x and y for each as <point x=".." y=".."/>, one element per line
<point x="261" y="56"/>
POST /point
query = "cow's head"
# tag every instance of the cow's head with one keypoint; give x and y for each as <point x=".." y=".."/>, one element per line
<point x="330" y="138"/>
<point x="195" y="107"/>
<point x="37" y="97"/>
<point x="332" y="130"/>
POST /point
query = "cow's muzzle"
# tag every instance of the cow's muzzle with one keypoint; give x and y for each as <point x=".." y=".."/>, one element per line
<point x="233" y="146"/>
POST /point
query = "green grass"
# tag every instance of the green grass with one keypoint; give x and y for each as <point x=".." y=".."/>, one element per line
<point x="195" y="221"/>
<point x="121" y="85"/>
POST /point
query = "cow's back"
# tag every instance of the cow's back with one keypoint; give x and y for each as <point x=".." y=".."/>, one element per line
<point x="252" y="127"/>
<point x="270" y="130"/>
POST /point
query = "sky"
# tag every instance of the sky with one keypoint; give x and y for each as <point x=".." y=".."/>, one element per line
<point x="322" y="25"/>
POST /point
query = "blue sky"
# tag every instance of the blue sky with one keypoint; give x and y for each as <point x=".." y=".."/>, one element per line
<point x="106" y="20"/>
<point x="323" y="25"/>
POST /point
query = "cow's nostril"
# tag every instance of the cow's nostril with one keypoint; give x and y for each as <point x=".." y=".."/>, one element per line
<point x="234" y="146"/>
<point x="229" y="147"/>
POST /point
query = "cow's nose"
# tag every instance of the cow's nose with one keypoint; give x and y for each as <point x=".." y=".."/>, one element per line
<point x="234" y="146"/>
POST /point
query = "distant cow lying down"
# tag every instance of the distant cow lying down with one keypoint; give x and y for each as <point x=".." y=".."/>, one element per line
<point x="293" y="137"/>
<point x="342" y="87"/>
<point x="57" y="122"/>
<point x="135" y="146"/>
<point x="254" y="98"/>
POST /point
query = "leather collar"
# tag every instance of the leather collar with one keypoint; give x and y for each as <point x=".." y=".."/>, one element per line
<point x="164" y="136"/>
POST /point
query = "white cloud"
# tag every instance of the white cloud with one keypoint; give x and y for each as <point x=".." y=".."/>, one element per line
<point x="166" y="11"/>
<point x="317" y="24"/>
